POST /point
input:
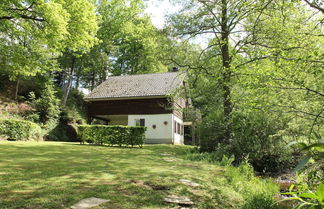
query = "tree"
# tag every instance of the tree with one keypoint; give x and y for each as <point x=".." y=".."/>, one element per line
<point x="273" y="47"/>
<point x="34" y="33"/>
<point x="292" y="69"/>
<point x="129" y="38"/>
<point x="222" y="21"/>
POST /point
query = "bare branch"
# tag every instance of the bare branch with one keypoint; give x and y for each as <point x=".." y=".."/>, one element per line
<point x="314" y="5"/>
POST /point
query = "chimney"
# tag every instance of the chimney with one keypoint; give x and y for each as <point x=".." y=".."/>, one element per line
<point x="174" y="69"/>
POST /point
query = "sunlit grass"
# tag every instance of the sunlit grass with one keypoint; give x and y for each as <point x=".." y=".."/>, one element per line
<point x="57" y="175"/>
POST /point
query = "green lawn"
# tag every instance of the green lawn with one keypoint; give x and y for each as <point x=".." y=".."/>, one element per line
<point x="57" y="175"/>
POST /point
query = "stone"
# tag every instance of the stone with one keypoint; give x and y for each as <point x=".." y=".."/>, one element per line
<point x="189" y="183"/>
<point x="178" y="200"/>
<point x="169" y="159"/>
<point x="188" y="208"/>
<point x="285" y="184"/>
<point x="89" y="203"/>
<point x="165" y="154"/>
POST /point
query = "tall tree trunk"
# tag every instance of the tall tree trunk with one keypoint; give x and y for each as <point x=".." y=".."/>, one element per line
<point x="77" y="82"/>
<point x="17" y="87"/>
<point x="226" y="75"/>
<point x="63" y="78"/>
<point x="92" y="81"/>
<point x="69" y="84"/>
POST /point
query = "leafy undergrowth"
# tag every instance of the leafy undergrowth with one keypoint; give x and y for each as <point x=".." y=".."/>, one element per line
<point x="57" y="175"/>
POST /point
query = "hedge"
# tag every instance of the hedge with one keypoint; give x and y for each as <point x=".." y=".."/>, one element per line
<point x="112" y="135"/>
<point x="20" y="130"/>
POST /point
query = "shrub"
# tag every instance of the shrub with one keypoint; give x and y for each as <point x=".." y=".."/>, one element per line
<point x="255" y="135"/>
<point x="20" y="129"/>
<point x="112" y="135"/>
<point x="47" y="105"/>
<point x="261" y="201"/>
<point x="76" y="109"/>
<point x="63" y="132"/>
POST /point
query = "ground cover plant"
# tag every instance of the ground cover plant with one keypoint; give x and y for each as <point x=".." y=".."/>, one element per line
<point x="58" y="174"/>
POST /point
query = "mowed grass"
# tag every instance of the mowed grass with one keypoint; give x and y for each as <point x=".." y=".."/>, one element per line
<point x="57" y="175"/>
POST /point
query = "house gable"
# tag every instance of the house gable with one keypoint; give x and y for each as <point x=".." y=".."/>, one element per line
<point x="137" y="86"/>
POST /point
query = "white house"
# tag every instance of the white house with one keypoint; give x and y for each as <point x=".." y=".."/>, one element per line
<point x="141" y="100"/>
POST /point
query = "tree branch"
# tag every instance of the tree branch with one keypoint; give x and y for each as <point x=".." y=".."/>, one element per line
<point x="314" y="5"/>
<point x="38" y="19"/>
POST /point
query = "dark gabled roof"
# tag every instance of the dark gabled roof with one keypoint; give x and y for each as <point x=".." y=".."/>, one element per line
<point x="144" y="85"/>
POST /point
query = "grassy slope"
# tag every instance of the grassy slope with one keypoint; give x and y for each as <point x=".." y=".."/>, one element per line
<point x="57" y="175"/>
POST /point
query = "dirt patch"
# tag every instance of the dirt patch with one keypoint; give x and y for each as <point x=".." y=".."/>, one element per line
<point x="157" y="187"/>
<point x="140" y="183"/>
<point x="126" y="192"/>
<point x="33" y="207"/>
<point x="87" y="188"/>
<point x="150" y="185"/>
<point x="191" y="166"/>
<point x="89" y="203"/>
<point x="107" y="183"/>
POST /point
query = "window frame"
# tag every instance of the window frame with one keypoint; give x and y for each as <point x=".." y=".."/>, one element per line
<point x="140" y="122"/>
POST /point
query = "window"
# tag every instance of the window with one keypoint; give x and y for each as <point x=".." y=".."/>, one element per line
<point x="181" y="131"/>
<point x="140" y="122"/>
<point x="178" y="128"/>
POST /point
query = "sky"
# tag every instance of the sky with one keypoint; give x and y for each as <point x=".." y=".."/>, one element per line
<point x="158" y="9"/>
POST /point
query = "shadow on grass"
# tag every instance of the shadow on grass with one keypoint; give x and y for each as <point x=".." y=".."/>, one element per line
<point x="56" y="175"/>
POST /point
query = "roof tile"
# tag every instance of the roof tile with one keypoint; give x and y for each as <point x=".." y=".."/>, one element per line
<point x="158" y="84"/>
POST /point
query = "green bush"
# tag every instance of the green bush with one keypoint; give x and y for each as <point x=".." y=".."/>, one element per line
<point x="76" y="108"/>
<point x="47" y="106"/>
<point x="20" y="129"/>
<point x="112" y="135"/>
<point x="255" y="136"/>
<point x="262" y="201"/>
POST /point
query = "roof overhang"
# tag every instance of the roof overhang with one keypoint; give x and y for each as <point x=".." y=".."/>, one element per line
<point x="124" y="98"/>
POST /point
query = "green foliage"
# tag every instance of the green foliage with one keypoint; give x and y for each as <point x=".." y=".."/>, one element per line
<point x="257" y="193"/>
<point x="261" y="201"/>
<point x="57" y="133"/>
<point x="219" y="158"/>
<point x="310" y="200"/>
<point x="20" y="130"/>
<point x="314" y="151"/>
<point x="134" y="42"/>
<point x="75" y="110"/>
<point x="33" y="33"/>
<point x="254" y="137"/>
<point x="63" y="132"/>
<point x="275" y="70"/>
<point x="47" y="106"/>
<point x="112" y="135"/>
<point x="310" y="174"/>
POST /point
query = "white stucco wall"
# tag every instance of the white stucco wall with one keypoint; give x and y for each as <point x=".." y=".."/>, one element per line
<point x="163" y="133"/>
<point x="178" y="139"/>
